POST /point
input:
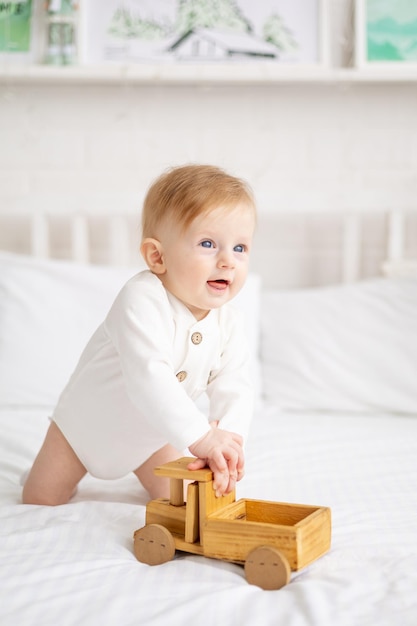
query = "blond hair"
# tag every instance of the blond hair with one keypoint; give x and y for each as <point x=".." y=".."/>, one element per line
<point x="182" y="193"/>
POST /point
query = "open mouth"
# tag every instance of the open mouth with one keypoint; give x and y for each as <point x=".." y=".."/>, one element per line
<point x="220" y="284"/>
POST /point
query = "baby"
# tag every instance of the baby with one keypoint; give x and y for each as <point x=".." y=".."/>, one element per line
<point x="169" y="336"/>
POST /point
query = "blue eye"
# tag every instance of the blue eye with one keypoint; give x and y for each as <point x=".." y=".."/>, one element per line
<point x="206" y="244"/>
<point x="239" y="248"/>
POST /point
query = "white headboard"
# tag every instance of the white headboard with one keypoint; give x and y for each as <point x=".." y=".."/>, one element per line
<point x="291" y="249"/>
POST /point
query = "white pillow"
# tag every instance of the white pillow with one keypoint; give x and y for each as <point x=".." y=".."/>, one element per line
<point x="48" y="311"/>
<point x="248" y="301"/>
<point x="342" y="348"/>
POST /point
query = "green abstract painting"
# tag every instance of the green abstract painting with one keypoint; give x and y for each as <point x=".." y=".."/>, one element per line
<point x="391" y="30"/>
<point x="15" y="18"/>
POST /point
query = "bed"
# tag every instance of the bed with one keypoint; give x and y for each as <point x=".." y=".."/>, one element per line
<point x="335" y="368"/>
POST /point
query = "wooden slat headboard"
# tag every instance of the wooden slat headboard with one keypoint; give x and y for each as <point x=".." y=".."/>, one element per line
<point x="291" y="250"/>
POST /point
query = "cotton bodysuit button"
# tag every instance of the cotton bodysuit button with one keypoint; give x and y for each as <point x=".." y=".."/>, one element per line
<point x="181" y="376"/>
<point x="196" y="338"/>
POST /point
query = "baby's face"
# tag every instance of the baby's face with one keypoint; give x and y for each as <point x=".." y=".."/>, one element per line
<point x="206" y="266"/>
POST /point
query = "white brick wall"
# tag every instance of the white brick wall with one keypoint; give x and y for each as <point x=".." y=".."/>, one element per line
<point x="300" y="146"/>
<point x="72" y="147"/>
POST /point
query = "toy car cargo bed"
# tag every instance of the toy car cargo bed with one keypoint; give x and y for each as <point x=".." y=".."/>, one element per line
<point x="300" y="532"/>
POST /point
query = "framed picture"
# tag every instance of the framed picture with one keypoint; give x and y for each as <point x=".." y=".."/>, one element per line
<point x="288" y="32"/>
<point x="386" y="33"/>
<point x="16" y="31"/>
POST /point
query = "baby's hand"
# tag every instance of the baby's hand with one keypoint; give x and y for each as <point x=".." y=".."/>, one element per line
<point x="222" y="451"/>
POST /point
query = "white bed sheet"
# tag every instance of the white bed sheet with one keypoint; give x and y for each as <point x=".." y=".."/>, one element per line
<point x="74" y="565"/>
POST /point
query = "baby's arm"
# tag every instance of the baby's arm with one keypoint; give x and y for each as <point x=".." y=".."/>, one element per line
<point x="222" y="451"/>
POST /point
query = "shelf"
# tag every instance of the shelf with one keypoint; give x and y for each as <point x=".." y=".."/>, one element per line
<point x="195" y="74"/>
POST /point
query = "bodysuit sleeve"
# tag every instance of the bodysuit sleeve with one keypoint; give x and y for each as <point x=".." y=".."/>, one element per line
<point x="141" y="328"/>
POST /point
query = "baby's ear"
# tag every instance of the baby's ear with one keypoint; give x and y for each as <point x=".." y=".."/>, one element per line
<point x="151" y="250"/>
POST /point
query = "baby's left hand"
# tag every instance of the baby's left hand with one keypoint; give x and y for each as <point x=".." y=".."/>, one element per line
<point x="230" y="469"/>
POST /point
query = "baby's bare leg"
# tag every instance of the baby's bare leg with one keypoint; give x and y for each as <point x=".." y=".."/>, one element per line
<point x="55" y="473"/>
<point x="157" y="487"/>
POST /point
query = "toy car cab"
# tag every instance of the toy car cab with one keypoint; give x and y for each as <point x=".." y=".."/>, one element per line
<point x="269" y="538"/>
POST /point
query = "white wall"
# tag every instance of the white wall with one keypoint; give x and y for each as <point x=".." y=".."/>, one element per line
<point x="322" y="146"/>
<point x="303" y="146"/>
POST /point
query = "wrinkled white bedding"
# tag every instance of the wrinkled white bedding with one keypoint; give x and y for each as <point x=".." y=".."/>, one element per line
<point x="74" y="565"/>
<point x="350" y="348"/>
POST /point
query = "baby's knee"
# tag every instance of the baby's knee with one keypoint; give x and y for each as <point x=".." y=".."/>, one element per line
<point x="40" y="497"/>
<point x="34" y="493"/>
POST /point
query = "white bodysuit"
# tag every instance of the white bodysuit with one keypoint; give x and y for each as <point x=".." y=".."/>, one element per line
<point x="135" y="385"/>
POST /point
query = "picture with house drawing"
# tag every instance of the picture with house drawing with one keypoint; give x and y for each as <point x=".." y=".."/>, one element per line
<point x="283" y="31"/>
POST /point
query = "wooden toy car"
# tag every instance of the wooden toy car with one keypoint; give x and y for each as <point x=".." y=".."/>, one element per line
<point x="269" y="538"/>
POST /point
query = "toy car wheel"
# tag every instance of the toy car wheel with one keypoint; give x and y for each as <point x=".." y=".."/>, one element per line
<point x="267" y="568"/>
<point x="154" y="544"/>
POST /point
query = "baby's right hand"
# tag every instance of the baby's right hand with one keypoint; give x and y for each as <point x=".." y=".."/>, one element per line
<point x="222" y="451"/>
